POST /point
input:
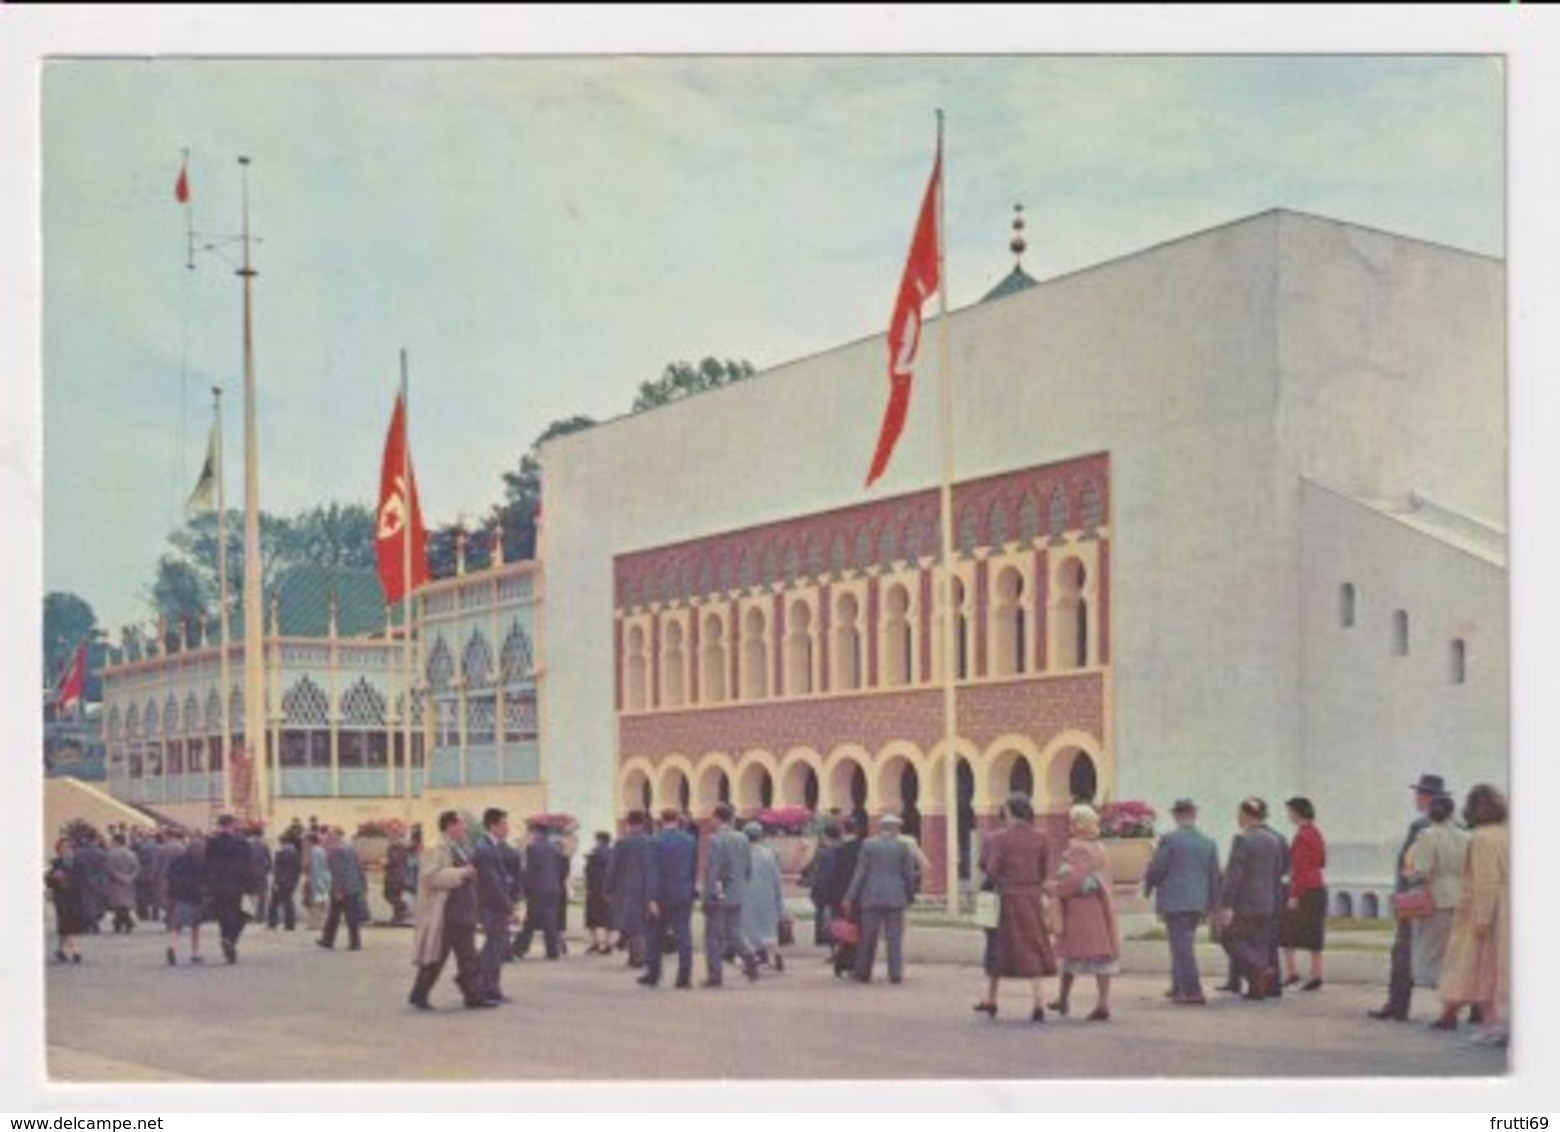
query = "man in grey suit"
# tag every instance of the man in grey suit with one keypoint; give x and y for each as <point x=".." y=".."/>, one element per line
<point x="1251" y="895"/>
<point x="727" y="867"/>
<point x="1183" y="878"/>
<point x="882" y="888"/>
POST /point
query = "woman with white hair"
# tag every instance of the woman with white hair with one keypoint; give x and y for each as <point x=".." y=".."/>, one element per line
<point x="1089" y="941"/>
<point x="763" y="905"/>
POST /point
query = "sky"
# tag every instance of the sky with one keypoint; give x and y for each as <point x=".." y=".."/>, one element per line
<point x="545" y="208"/>
<point x="542" y="234"/>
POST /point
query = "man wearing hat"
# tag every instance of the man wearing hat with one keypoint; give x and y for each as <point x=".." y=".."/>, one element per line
<point x="1183" y="878"/>
<point x="882" y="888"/>
<point x="1400" y="983"/>
<point x="727" y="869"/>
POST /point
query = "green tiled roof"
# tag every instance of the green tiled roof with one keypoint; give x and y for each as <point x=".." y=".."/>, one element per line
<point x="305" y="593"/>
<point x="1017" y="280"/>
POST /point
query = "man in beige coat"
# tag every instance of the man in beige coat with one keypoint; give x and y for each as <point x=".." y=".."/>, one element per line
<point x="447" y="917"/>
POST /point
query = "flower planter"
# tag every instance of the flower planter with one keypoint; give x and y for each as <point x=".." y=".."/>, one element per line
<point x="371" y="851"/>
<point x="793" y="852"/>
<point x="1128" y="858"/>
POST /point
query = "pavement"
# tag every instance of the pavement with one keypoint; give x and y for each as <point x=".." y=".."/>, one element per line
<point x="290" y="1011"/>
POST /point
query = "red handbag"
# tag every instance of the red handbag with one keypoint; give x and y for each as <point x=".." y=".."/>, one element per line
<point x="845" y="931"/>
<point x="1413" y="904"/>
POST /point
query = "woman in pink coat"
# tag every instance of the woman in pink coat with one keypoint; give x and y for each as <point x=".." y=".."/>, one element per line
<point x="1089" y="943"/>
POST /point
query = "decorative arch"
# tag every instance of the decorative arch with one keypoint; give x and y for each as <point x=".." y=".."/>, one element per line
<point x="362" y="705"/>
<point x="441" y="666"/>
<point x="191" y="714"/>
<point x="214" y="711"/>
<point x="754" y="769"/>
<point x="672" y="773"/>
<point x="633" y="779"/>
<point x="934" y="787"/>
<point x="170" y="715"/>
<point x="635" y="670"/>
<point x="711" y="771"/>
<point x="841" y="765"/>
<point x="886" y="778"/>
<point x="515" y="658"/>
<point x="998" y="762"/>
<point x="1052" y="792"/>
<point x="791" y="781"/>
<point x="476" y="663"/>
<point x="305" y="705"/>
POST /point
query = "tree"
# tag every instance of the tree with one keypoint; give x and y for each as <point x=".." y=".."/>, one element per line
<point x="181" y="596"/>
<point x="516" y="516"/>
<point x="681" y="379"/>
<point x="68" y="620"/>
<point x="333" y="534"/>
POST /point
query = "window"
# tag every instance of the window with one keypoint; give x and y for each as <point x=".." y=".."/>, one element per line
<point x="755" y="654"/>
<point x="798" y="650"/>
<point x="847" y="645"/>
<point x="1007" y="623"/>
<point x="1459" y="661"/>
<point x="634" y="671"/>
<point x="1400" y="633"/>
<point x="712" y="682"/>
<point x="673" y="692"/>
<point x="1346" y="605"/>
<point x="896" y="639"/>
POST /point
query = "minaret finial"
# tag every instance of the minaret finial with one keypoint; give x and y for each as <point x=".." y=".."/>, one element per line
<point x="1018" y="244"/>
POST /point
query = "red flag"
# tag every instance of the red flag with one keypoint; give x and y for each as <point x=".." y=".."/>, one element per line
<point x="904" y="329"/>
<point x="73" y="682"/>
<point x="181" y="187"/>
<point x="398" y="513"/>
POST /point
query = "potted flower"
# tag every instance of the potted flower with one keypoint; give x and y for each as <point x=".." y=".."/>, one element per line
<point x="560" y="828"/>
<point x="788" y="828"/>
<point x="373" y="837"/>
<point x="1127" y="830"/>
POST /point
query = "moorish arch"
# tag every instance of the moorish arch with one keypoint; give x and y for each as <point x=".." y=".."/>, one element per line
<point x="753" y="786"/>
<point x="896" y="763"/>
<point x="673" y="782"/>
<point x="1070" y="763"/>
<point x="713" y="776"/>
<point x="934" y="791"/>
<point x="846" y="782"/>
<point x="1012" y="763"/>
<point x="634" y="784"/>
<point x="800" y="779"/>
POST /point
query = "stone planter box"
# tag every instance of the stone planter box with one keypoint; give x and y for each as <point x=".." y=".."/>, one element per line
<point x="794" y="852"/>
<point x="1128" y="857"/>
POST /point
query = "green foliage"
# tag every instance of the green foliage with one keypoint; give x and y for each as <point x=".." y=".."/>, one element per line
<point x="682" y="379"/>
<point x="67" y="621"/>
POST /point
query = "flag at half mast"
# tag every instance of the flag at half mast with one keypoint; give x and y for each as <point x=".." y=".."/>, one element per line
<point x="919" y="283"/>
<point x="73" y="681"/>
<point x="399" y="516"/>
<point x="203" y="500"/>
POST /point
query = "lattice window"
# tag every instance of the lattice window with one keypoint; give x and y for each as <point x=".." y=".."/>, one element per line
<point x="133" y="723"/>
<point x="480" y="716"/>
<point x="417" y="708"/>
<point x="115" y="722"/>
<point x="969" y="530"/>
<point x="363" y="706"/>
<point x="214" y="711"/>
<point x="477" y="664"/>
<point x="1093" y="505"/>
<point x="150" y="719"/>
<point x="863" y="548"/>
<point x="520" y="718"/>
<point x="236" y="710"/>
<point x="191" y="715"/>
<point x="515" y="660"/>
<point x="1058" y="516"/>
<point x="441" y="668"/>
<point x="1028" y="519"/>
<point x="996" y="526"/>
<point x="170" y="716"/>
<point x="305" y="705"/>
<point x="888" y="547"/>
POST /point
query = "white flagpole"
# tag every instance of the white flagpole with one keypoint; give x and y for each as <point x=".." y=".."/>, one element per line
<point x="224" y="677"/>
<point x="406" y="592"/>
<point x="254" y="625"/>
<point x="945" y="578"/>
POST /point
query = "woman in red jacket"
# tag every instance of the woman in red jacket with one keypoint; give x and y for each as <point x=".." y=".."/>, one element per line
<point x="1305" y="916"/>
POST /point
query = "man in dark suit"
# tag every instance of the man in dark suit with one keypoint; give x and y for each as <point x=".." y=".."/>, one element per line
<point x="727" y="867"/>
<point x="1251" y="897"/>
<point x="882" y="888"/>
<point x="673" y="867"/>
<point x="229" y="874"/>
<point x="287" y="868"/>
<point x="260" y="861"/>
<point x="1183" y="878"/>
<point x="1400" y="980"/>
<point x="495" y="899"/>
<point x="543" y="891"/>
<point x="628" y="884"/>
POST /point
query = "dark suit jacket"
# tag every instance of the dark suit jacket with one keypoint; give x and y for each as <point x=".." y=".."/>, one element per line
<point x="630" y="881"/>
<point x="1184" y="873"/>
<point x="494" y="885"/>
<point x="288" y="867"/>
<point x="1253" y="882"/>
<point x="229" y="871"/>
<point x="543" y="873"/>
<point x="675" y="867"/>
<point x="885" y="874"/>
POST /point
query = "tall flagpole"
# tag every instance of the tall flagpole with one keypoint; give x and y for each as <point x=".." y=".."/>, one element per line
<point x="406" y="589"/>
<point x="254" y="625"/>
<point x="224" y="676"/>
<point x="945" y="578"/>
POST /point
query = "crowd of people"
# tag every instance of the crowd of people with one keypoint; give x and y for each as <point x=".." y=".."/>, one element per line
<point x="1055" y="914"/>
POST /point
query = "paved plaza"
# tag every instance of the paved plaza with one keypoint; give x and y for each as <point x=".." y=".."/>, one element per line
<point x="292" y="1012"/>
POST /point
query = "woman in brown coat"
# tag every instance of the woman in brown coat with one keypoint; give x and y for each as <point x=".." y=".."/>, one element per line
<point x="1016" y="861"/>
<point x="1477" y="967"/>
<point x="1090" y="944"/>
